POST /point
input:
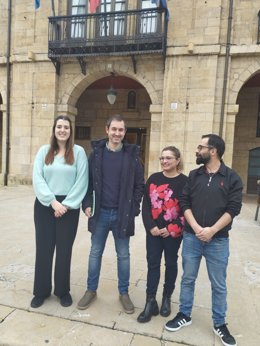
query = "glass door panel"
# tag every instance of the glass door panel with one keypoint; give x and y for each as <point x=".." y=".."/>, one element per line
<point x="112" y="25"/>
<point x="78" y="24"/>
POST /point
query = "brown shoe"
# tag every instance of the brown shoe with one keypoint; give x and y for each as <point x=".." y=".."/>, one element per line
<point x="127" y="303"/>
<point x="86" y="300"/>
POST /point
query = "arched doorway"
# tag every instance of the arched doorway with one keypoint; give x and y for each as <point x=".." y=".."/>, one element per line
<point x="247" y="133"/>
<point x="132" y="102"/>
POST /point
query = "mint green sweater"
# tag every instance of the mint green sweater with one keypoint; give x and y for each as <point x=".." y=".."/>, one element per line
<point x="61" y="179"/>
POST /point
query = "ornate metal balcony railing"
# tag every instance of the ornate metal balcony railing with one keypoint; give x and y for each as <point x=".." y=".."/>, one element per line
<point x="113" y="33"/>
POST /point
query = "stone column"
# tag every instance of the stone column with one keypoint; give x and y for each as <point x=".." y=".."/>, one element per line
<point x="155" y="138"/>
<point x="3" y="139"/>
<point x="229" y="132"/>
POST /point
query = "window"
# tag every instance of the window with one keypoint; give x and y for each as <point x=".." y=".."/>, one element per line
<point x="112" y="25"/>
<point x="258" y="119"/>
<point x="78" y="24"/>
<point x="131" y="100"/>
<point x="258" y="31"/>
<point x="253" y="170"/>
<point x="148" y="23"/>
<point x="82" y="132"/>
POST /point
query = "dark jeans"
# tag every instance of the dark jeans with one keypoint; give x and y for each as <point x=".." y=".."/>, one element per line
<point x="155" y="246"/>
<point x="53" y="234"/>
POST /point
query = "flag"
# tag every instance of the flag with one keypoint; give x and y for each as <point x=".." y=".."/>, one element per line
<point x="93" y="4"/>
<point x="163" y="4"/>
<point x="37" y="4"/>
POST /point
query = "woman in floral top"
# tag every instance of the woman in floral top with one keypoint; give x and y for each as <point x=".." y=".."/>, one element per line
<point x="163" y="222"/>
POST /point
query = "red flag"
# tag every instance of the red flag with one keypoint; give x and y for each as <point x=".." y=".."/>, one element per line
<point x="93" y="5"/>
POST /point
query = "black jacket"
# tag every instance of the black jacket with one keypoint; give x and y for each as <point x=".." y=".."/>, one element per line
<point x="209" y="199"/>
<point x="131" y="187"/>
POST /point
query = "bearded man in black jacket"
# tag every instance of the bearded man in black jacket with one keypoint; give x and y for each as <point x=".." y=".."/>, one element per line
<point x="210" y="200"/>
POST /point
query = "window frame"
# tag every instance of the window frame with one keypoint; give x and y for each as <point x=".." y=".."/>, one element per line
<point x="258" y="118"/>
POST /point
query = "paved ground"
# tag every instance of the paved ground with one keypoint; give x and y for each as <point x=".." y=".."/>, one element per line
<point x="104" y="323"/>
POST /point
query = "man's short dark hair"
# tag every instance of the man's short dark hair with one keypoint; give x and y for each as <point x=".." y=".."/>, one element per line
<point x="216" y="142"/>
<point x="116" y="117"/>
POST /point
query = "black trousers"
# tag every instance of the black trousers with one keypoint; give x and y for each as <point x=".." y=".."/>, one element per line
<point x="53" y="234"/>
<point x="155" y="246"/>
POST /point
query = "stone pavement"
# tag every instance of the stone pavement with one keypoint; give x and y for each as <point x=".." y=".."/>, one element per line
<point x="104" y="323"/>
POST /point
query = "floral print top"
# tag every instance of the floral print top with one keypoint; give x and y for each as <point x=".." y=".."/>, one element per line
<point x="161" y="203"/>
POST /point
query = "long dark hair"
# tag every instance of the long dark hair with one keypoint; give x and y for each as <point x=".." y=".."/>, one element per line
<point x="54" y="148"/>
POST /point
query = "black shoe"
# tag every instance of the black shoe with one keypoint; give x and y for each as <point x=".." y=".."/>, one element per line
<point x="179" y="321"/>
<point x="151" y="309"/>
<point x="165" y="310"/>
<point x="37" y="302"/>
<point x="66" y="300"/>
<point x="226" y="338"/>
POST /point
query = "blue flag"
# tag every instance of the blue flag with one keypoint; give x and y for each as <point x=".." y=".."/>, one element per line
<point x="163" y="4"/>
<point x="37" y="4"/>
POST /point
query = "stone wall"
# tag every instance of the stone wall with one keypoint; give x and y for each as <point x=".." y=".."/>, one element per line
<point x="182" y="97"/>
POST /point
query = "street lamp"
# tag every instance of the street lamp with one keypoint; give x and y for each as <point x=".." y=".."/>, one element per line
<point x="111" y="93"/>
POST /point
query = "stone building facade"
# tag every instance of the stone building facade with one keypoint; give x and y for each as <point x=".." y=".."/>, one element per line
<point x="208" y="81"/>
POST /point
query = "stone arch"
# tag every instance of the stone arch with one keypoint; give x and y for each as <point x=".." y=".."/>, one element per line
<point x="80" y="83"/>
<point x="245" y="137"/>
<point x="242" y="77"/>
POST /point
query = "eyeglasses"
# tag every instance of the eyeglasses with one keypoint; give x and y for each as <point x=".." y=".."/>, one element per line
<point x="166" y="158"/>
<point x="200" y="147"/>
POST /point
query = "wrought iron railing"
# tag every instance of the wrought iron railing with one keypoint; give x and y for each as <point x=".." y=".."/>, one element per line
<point x="114" y="33"/>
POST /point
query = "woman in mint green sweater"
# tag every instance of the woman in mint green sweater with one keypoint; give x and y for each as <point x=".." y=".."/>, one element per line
<point x="60" y="181"/>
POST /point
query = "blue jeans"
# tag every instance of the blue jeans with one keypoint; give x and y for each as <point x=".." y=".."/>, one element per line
<point x="216" y="254"/>
<point x="108" y="221"/>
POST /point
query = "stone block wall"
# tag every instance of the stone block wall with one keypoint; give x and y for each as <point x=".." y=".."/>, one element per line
<point x="193" y="93"/>
<point x="182" y="99"/>
<point x="32" y="109"/>
<point x="194" y="21"/>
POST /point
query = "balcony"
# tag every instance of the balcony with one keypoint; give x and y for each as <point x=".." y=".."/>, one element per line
<point x="107" y="34"/>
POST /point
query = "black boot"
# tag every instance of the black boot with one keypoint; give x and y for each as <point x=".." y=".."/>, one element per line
<point x="166" y="306"/>
<point x="151" y="309"/>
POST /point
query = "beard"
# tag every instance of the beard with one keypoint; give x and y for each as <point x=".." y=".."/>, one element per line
<point x="202" y="160"/>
